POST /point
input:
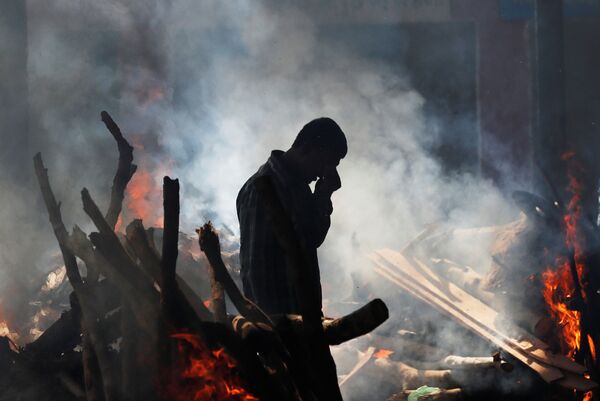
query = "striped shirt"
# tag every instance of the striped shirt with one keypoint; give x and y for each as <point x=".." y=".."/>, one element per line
<point x="263" y="267"/>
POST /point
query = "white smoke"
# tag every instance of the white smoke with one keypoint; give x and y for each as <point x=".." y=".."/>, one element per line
<point x="238" y="79"/>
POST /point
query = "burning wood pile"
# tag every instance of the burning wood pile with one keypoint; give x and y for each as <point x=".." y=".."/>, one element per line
<point x="137" y="331"/>
<point x="538" y="304"/>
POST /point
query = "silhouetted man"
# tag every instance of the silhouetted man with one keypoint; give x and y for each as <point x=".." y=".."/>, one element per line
<point x="314" y="155"/>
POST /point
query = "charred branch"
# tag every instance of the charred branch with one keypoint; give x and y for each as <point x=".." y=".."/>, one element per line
<point x="90" y="325"/>
<point x="168" y="284"/>
<point x="209" y="244"/>
<point x="125" y="170"/>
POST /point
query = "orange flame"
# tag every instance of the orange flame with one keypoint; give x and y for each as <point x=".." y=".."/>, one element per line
<point x="559" y="285"/>
<point x="143" y="198"/>
<point x="588" y="396"/>
<point x="5" y="330"/>
<point x="206" y="375"/>
<point x="592" y="346"/>
<point x="383" y="354"/>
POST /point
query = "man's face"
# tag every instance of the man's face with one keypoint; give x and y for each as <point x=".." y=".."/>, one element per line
<point x="320" y="162"/>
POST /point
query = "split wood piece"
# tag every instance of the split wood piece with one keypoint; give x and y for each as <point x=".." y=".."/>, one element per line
<point x="419" y="280"/>
<point x="150" y="262"/>
<point x="125" y="170"/>
<point x="473" y="309"/>
<point x="549" y="374"/>
<point x="88" y="313"/>
<point x="297" y="262"/>
<point x="453" y="394"/>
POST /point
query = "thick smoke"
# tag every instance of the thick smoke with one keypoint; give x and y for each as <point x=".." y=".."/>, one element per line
<point x="206" y="90"/>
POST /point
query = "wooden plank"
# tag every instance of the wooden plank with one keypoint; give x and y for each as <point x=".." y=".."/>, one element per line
<point x="549" y="374"/>
<point x="470" y="308"/>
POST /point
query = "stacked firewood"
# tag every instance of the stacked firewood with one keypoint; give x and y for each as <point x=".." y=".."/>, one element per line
<point x="137" y="331"/>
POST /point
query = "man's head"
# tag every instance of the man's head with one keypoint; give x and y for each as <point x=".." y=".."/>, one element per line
<point x="319" y="147"/>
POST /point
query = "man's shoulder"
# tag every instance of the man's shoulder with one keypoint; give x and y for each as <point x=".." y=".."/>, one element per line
<point x="248" y="186"/>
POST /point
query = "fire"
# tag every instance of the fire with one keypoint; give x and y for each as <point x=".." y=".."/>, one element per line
<point x="559" y="284"/>
<point x="5" y="330"/>
<point x="558" y="288"/>
<point x="143" y="198"/>
<point x="588" y="396"/>
<point x="383" y="353"/>
<point x="205" y="374"/>
<point x="592" y="346"/>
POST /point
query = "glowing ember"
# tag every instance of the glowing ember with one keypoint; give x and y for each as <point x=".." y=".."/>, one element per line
<point x="205" y="375"/>
<point x="588" y="396"/>
<point x="383" y="354"/>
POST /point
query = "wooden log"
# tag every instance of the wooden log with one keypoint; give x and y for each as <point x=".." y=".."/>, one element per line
<point x="58" y="226"/>
<point x="150" y="263"/>
<point x="168" y="284"/>
<point x="357" y="323"/>
<point x="142" y="297"/>
<point x="217" y="299"/>
<point x="346" y="328"/>
<point x="324" y="375"/>
<point x="209" y="244"/>
<point x="125" y="170"/>
<point x="88" y="312"/>
<point x="107" y="242"/>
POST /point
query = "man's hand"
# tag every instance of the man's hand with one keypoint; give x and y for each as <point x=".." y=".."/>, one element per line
<point x="329" y="182"/>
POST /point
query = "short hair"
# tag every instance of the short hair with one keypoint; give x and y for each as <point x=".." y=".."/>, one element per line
<point x="322" y="133"/>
